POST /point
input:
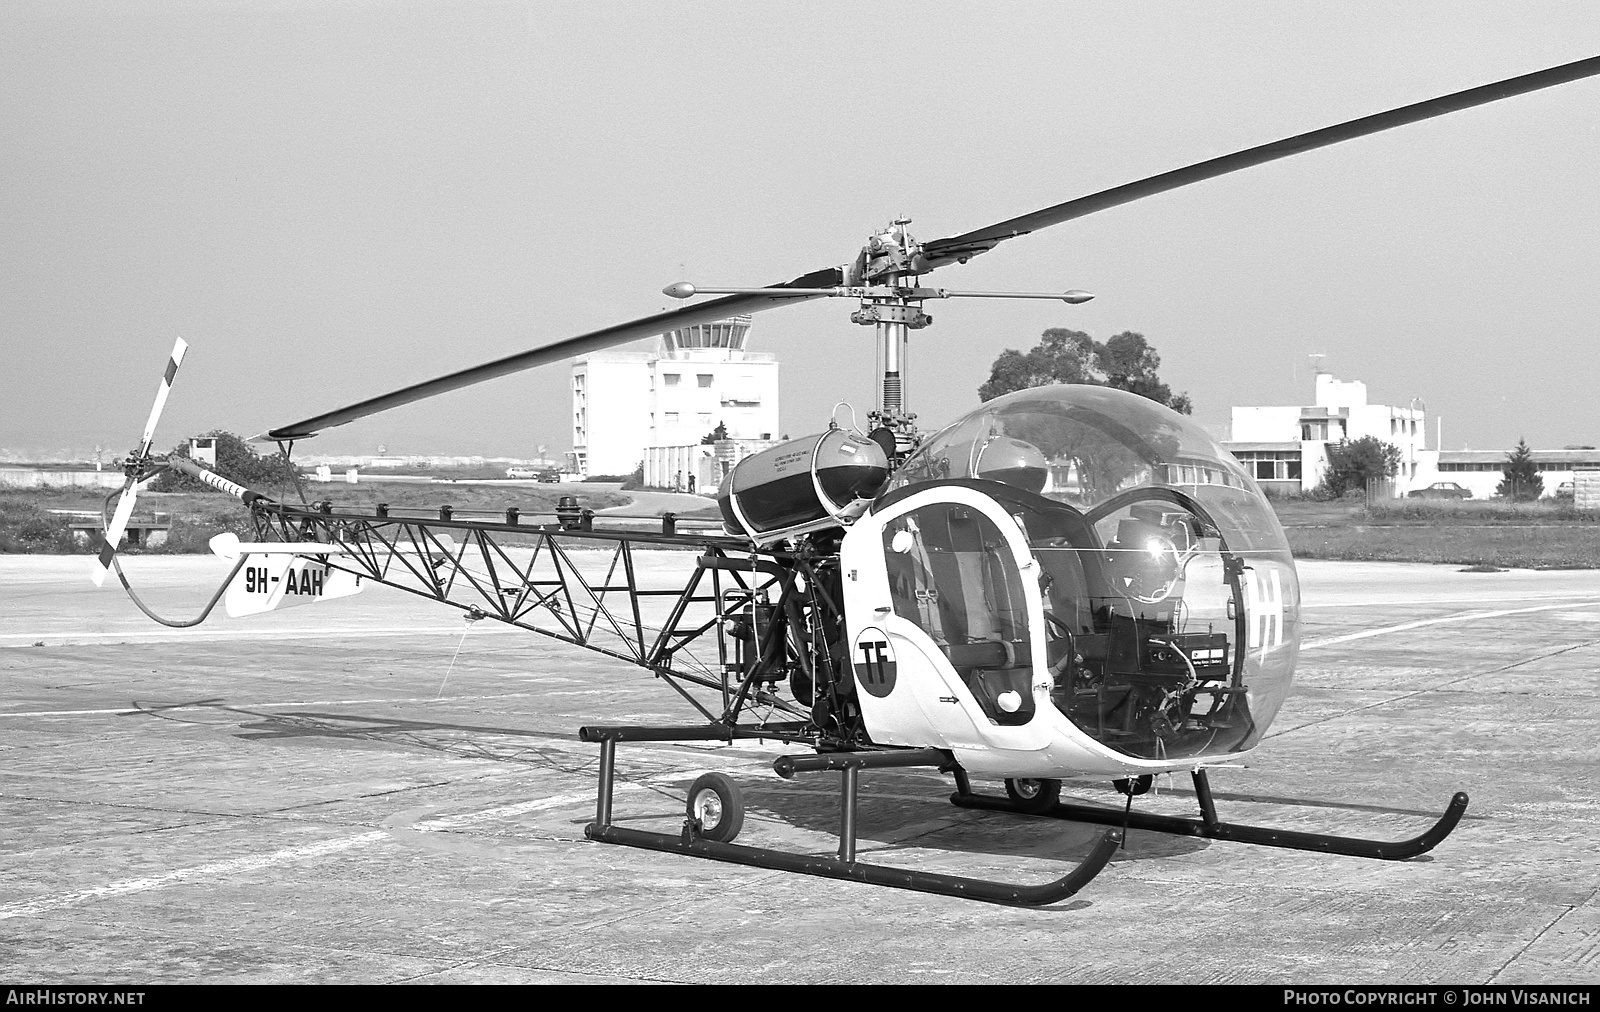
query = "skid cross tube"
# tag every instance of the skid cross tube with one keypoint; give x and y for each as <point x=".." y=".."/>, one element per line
<point x="1209" y="827"/>
<point x="845" y="866"/>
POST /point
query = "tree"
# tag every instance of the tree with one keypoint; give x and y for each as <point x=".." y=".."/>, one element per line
<point x="1126" y="362"/>
<point x="1061" y="356"/>
<point x="1521" y="480"/>
<point x="1129" y="363"/>
<point x="1354" y="462"/>
<point x="237" y="461"/>
<point x="715" y="435"/>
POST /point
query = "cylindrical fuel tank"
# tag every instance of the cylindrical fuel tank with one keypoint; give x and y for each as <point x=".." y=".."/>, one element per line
<point x="803" y="485"/>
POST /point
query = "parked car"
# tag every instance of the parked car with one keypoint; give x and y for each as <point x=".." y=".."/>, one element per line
<point x="550" y="475"/>
<point x="1440" y="490"/>
<point x="1566" y="490"/>
<point x="522" y="472"/>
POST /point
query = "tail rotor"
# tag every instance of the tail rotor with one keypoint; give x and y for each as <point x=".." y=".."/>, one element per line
<point x="138" y="470"/>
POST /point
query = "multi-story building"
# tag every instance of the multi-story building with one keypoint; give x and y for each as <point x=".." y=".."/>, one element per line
<point x="1286" y="447"/>
<point x="654" y="408"/>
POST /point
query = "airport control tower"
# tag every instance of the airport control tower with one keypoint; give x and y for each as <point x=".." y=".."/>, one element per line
<point x="655" y="407"/>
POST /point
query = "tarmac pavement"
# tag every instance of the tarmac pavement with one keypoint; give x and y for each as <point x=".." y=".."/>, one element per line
<point x="369" y="791"/>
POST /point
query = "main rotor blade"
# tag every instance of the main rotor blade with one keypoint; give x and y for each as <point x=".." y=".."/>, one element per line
<point x="960" y="247"/>
<point x="948" y="250"/>
<point x="583" y="344"/>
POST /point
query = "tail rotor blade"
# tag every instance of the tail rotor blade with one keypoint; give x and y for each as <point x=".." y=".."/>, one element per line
<point x="113" y="534"/>
<point x="165" y="387"/>
<point x="130" y="491"/>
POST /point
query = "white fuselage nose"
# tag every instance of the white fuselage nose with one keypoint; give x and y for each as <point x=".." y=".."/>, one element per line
<point x="951" y="647"/>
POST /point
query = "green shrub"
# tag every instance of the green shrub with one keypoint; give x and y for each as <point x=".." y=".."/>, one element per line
<point x="193" y="533"/>
<point x="25" y="528"/>
<point x="237" y="461"/>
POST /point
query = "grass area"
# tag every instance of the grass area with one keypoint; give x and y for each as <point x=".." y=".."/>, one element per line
<point x="27" y="525"/>
<point x="32" y="528"/>
<point x="465" y="472"/>
<point x="1537" y="535"/>
<point x="1432" y="513"/>
<point x="1540" y="535"/>
<point x="1487" y="512"/>
<point x="1503" y="547"/>
<point x="530" y="499"/>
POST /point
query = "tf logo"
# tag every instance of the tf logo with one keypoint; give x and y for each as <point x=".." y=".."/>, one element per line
<point x="874" y="662"/>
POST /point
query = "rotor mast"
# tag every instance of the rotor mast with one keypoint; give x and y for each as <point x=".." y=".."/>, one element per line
<point x="891" y="259"/>
<point x="885" y="277"/>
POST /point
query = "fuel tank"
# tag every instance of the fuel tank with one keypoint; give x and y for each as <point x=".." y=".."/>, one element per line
<point x="803" y="485"/>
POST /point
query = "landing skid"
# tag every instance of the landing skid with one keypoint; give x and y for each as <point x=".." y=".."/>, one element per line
<point x="1209" y="827"/>
<point x="693" y="843"/>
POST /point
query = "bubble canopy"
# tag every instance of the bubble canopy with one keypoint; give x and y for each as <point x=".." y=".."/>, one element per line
<point x="1170" y="602"/>
<point x="1084" y="445"/>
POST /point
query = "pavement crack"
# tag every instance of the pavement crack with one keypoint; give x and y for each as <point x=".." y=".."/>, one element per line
<point x="1494" y="977"/>
<point x="1442" y="686"/>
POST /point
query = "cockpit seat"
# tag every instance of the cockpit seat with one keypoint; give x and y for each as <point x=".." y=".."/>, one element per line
<point x="1000" y="676"/>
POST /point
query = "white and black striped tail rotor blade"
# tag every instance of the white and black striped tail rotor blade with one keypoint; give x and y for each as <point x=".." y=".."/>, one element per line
<point x="162" y="390"/>
<point x="124" y="512"/>
<point x="113" y="534"/>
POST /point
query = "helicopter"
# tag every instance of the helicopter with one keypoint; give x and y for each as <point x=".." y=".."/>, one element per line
<point x="1068" y="582"/>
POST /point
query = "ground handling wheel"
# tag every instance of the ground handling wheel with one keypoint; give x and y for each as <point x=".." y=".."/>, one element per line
<point x="1034" y="797"/>
<point x="716" y="803"/>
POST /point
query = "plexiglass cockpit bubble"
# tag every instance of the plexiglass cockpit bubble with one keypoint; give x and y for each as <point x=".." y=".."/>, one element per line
<point x="1169" y="597"/>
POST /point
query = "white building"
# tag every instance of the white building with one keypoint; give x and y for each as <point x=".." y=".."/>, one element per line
<point x="1286" y="448"/>
<point x="1481" y="471"/>
<point x="655" y="407"/>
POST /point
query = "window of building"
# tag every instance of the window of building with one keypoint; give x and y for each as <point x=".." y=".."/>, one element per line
<point x="704" y="380"/>
<point x="1271" y="465"/>
<point x="1314" y="430"/>
<point x="670" y="417"/>
<point x="705" y="418"/>
<point x="1198" y="474"/>
<point x="670" y="378"/>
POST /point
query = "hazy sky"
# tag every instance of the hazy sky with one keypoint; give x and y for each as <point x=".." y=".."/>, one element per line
<point x="329" y="200"/>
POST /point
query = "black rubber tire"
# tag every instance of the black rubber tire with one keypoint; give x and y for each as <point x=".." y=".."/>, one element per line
<point x="718" y="804"/>
<point x="1035" y="797"/>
